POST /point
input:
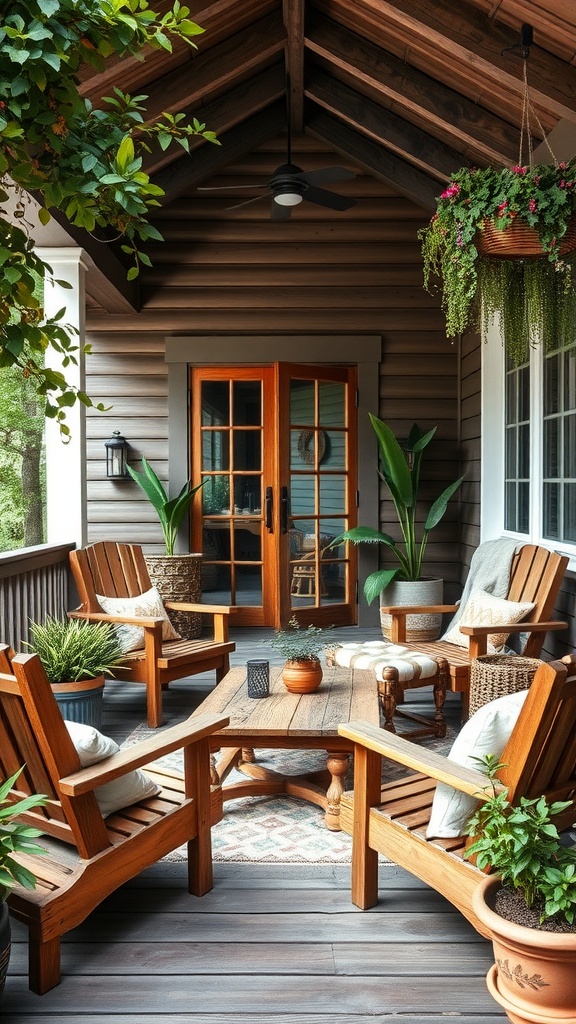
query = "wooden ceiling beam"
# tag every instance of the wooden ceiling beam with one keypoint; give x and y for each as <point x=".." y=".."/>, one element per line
<point x="463" y="46"/>
<point x="294" y="24"/>
<point x="384" y="127"/>
<point x="244" y="100"/>
<point x="479" y="134"/>
<point x="404" y="178"/>
<point x="217" y="70"/>
<point x="187" y="172"/>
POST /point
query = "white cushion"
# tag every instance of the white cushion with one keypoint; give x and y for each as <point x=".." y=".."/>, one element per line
<point x="92" y="746"/>
<point x="483" y="609"/>
<point x="149" y="604"/>
<point x="487" y="732"/>
<point x="379" y="655"/>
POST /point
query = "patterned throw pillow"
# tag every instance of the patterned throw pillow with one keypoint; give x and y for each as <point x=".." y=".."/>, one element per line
<point x="487" y="732"/>
<point x="483" y="609"/>
<point x="92" y="746"/>
<point x="131" y="638"/>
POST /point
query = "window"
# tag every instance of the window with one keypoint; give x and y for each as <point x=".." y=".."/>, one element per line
<point x="529" y="445"/>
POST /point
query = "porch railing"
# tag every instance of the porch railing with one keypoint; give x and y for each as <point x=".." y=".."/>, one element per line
<point x="34" y="582"/>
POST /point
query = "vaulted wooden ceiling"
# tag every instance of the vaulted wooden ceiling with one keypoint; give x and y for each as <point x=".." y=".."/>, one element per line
<point x="409" y="90"/>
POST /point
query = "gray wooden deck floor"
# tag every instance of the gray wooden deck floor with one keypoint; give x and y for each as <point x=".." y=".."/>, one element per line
<point x="271" y="944"/>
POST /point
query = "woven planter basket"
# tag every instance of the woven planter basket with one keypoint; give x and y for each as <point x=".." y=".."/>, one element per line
<point x="518" y="240"/>
<point x="495" y="675"/>
<point x="177" y="578"/>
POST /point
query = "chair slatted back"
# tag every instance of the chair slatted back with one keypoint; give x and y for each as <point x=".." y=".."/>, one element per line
<point x="33" y="734"/>
<point x="540" y="757"/>
<point x="111" y="569"/>
<point x="536" y="575"/>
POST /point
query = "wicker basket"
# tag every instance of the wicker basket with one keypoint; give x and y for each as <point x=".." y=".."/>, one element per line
<point x="495" y="675"/>
<point x="518" y="240"/>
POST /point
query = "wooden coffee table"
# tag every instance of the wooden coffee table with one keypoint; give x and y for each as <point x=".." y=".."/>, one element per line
<point x="291" y="721"/>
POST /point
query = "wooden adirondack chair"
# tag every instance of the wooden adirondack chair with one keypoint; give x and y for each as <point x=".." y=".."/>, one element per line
<point x="89" y="856"/>
<point x="119" y="570"/>
<point x="540" y="758"/>
<point x="535" y="576"/>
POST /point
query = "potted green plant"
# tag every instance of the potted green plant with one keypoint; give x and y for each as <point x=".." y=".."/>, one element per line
<point x="528" y="903"/>
<point x="498" y="242"/>
<point x="177" y="577"/>
<point x="302" y="672"/>
<point x="405" y="584"/>
<point x="76" y="655"/>
<point x="15" y="837"/>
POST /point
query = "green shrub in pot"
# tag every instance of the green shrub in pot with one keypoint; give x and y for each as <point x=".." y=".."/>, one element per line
<point x="72" y="650"/>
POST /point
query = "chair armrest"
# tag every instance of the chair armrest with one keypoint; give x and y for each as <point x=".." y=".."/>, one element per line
<point x="401" y="611"/>
<point x="146" y="621"/>
<point x="204" y="609"/>
<point x="512" y="627"/>
<point x="113" y="767"/>
<point x="402" y="751"/>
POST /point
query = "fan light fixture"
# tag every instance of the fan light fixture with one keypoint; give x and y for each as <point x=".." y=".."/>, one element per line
<point x="288" y="198"/>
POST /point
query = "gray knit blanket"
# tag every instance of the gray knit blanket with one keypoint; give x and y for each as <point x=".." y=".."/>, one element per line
<point x="489" y="571"/>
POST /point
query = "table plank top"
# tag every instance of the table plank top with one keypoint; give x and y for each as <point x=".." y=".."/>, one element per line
<point x="344" y="695"/>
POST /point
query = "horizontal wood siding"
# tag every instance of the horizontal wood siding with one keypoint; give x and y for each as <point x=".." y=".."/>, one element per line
<point x="236" y="272"/>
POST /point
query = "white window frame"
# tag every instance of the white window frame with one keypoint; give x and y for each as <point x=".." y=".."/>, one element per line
<point x="493" y="447"/>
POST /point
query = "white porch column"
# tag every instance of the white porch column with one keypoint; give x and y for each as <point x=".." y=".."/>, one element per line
<point x="66" y="463"/>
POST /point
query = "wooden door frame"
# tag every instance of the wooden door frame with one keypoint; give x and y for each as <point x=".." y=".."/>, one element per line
<point x="363" y="351"/>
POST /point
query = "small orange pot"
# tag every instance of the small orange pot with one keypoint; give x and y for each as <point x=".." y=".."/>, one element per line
<point x="302" y="676"/>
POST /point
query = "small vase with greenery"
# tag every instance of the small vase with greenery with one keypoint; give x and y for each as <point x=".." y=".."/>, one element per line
<point x="400" y="471"/>
<point x="535" y="297"/>
<point x="72" y="650"/>
<point x="301" y="647"/>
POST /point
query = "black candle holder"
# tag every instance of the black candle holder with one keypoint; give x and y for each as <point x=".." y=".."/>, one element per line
<point x="258" y="678"/>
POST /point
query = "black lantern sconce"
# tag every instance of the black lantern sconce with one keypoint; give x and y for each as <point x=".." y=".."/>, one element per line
<point x="116" y="457"/>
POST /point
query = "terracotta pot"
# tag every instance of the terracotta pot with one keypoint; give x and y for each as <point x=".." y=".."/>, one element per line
<point x="412" y="592"/>
<point x="534" y="977"/>
<point x="302" y="676"/>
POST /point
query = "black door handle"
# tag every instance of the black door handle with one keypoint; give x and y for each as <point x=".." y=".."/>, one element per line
<point x="269" y="510"/>
<point x="284" y="510"/>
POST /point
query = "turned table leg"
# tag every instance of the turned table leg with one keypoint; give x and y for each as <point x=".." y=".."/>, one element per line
<point x="338" y="765"/>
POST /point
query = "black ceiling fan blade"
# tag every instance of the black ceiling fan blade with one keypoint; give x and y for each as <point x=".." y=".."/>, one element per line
<point x="325" y="176"/>
<point x="247" y="202"/>
<point x="330" y="199"/>
<point x="225" y="188"/>
<point x="279" y="212"/>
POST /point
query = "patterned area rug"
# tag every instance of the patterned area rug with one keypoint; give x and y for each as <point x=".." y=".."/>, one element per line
<point x="276" y="829"/>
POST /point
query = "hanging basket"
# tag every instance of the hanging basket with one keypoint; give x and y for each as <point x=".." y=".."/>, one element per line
<point x="519" y="241"/>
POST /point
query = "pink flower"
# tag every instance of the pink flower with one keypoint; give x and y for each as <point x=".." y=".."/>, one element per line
<point x="502" y="208"/>
<point x="452" y="190"/>
<point x="532" y="205"/>
<point x="517" y="169"/>
<point x="562" y="165"/>
<point x="536" y="179"/>
<point x="562" y="184"/>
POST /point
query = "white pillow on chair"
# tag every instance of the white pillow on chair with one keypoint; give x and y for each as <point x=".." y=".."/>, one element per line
<point x="487" y="732"/>
<point x="92" y="746"/>
<point x="131" y="638"/>
<point x="483" y="609"/>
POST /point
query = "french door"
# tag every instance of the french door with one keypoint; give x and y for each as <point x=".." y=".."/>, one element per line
<point x="274" y="447"/>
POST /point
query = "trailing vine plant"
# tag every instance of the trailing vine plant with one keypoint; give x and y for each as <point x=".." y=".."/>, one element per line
<point x="82" y="159"/>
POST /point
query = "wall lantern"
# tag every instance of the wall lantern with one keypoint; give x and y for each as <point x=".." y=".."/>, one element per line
<point x="116" y="457"/>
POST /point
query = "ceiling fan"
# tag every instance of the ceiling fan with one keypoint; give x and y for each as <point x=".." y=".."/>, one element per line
<point x="290" y="185"/>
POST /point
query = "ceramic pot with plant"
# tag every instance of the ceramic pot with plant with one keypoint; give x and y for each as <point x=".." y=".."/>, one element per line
<point x="177" y="577"/>
<point x="405" y="584"/>
<point x="300" y="646"/>
<point x="528" y="903"/>
<point x="15" y="837"/>
<point x="498" y="243"/>
<point x="76" y="655"/>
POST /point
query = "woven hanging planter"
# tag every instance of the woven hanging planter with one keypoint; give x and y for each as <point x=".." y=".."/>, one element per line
<point x="519" y="241"/>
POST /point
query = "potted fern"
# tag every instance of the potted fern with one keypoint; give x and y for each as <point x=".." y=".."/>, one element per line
<point x="404" y="584"/>
<point x="500" y="242"/>
<point x="177" y="577"/>
<point x="76" y="655"/>
<point x="528" y="903"/>
<point x="15" y="837"/>
<point x="302" y="672"/>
